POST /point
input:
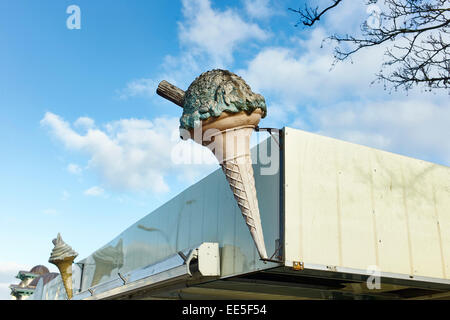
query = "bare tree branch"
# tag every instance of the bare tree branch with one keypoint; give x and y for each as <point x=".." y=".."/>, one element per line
<point x="309" y="16"/>
<point x="416" y="34"/>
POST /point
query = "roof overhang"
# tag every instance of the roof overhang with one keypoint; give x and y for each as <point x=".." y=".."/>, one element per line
<point x="193" y="265"/>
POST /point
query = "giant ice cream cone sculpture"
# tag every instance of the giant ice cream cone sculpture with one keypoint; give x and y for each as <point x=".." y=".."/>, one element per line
<point x="220" y="112"/>
<point x="62" y="256"/>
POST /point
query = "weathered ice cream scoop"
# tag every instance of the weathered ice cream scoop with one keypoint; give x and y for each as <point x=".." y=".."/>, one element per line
<point x="219" y="93"/>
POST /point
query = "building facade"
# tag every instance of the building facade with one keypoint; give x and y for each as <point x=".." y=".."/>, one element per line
<point x="29" y="280"/>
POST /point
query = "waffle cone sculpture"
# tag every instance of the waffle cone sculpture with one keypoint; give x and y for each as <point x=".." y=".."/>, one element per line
<point x="63" y="256"/>
<point x="221" y="112"/>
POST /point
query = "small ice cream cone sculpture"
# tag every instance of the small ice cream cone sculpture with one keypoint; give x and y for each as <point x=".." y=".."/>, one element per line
<point x="220" y="112"/>
<point x="62" y="256"/>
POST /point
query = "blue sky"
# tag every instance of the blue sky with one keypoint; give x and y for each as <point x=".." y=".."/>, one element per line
<point x="86" y="144"/>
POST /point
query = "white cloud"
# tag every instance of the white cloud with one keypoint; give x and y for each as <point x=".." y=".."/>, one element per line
<point x="209" y="38"/>
<point x="215" y="33"/>
<point x="74" y="168"/>
<point x="347" y="16"/>
<point x="291" y="75"/>
<point x="259" y="9"/>
<point x="84" y="122"/>
<point x="412" y="126"/>
<point x="128" y="154"/>
<point x="139" y="88"/>
<point x="94" y="191"/>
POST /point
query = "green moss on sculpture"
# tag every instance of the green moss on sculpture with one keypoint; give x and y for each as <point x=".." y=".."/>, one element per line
<point x="214" y="92"/>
